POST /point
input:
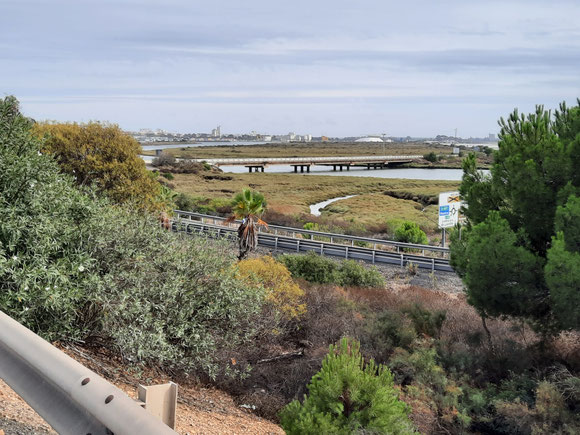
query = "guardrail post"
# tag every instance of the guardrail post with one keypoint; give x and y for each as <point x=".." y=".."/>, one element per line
<point x="276" y="243"/>
<point x="160" y="400"/>
<point x="402" y="261"/>
<point x="346" y="252"/>
<point x="374" y="252"/>
<point x="432" y="265"/>
<point x="297" y="245"/>
<point x="69" y="396"/>
<point x="321" y="248"/>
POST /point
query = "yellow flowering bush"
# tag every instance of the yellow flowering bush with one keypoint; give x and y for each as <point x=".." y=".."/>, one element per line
<point x="281" y="291"/>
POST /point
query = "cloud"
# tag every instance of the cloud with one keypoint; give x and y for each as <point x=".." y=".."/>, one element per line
<point x="261" y="61"/>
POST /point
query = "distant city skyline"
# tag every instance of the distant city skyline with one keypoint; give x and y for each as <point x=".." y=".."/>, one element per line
<point x="334" y="68"/>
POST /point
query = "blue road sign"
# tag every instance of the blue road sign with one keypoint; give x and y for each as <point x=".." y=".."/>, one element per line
<point x="444" y="210"/>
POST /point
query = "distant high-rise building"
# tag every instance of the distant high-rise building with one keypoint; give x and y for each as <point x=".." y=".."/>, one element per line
<point x="217" y="132"/>
<point x="491" y="136"/>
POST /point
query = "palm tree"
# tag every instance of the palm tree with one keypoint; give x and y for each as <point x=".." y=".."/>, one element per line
<point x="249" y="206"/>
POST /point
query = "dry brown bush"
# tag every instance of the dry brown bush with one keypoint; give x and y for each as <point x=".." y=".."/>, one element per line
<point x="334" y="312"/>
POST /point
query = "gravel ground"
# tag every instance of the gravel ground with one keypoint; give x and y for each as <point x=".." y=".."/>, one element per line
<point x="200" y="410"/>
<point x="11" y="427"/>
<point x="16" y="417"/>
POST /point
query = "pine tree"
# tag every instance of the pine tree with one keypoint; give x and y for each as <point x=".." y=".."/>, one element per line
<point x="519" y="255"/>
<point x="348" y="396"/>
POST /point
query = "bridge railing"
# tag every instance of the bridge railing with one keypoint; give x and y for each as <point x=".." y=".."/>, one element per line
<point x="306" y="159"/>
<point x="332" y="237"/>
<point x="326" y="248"/>
<point x="70" y="397"/>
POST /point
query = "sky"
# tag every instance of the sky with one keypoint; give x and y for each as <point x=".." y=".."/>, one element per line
<point x="323" y="67"/>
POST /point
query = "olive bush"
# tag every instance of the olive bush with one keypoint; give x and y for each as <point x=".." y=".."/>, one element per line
<point x="74" y="267"/>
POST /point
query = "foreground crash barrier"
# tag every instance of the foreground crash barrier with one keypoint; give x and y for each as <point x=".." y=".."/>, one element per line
<point x="70" y="397"/>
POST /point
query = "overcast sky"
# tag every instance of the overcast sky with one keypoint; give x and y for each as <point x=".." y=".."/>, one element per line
<point x="324" y="67"/>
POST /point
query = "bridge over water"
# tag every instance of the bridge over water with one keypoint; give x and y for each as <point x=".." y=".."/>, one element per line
<point x="304" y="163"/>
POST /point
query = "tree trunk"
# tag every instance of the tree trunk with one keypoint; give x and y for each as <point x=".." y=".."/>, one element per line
<point x="489" y="342"/>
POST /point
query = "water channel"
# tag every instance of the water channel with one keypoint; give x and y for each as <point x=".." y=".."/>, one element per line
<point x="315" y="208"/>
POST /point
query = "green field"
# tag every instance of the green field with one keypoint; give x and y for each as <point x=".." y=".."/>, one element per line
<point x="310" y="149"/>
<point x="380" y="201"/>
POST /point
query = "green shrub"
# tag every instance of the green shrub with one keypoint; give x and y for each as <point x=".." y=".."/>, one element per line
<point x="386" y="332"/>
<point x="168" y="175"/>
<point x="409" y="232"/>
<point x="104" y="156"/>
<point x="355" y="274"/>
<point x="430" y="157"/>
<point x="184" y="202"/>
<point x="426" y="381"/>
<point x="348" y="396"/>
<point x="72" y="267"/>
<point x="201" y="204"/>
<point x="322" y="270"/>
<point x="426" y="322"/>
<point x="168" y="299"/>
<point x="311" y="226"/>
<point x="42" y="233"/>
<point x="312" y="267"/>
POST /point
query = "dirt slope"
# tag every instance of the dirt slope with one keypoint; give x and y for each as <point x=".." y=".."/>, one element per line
<point x="200" y="410"/>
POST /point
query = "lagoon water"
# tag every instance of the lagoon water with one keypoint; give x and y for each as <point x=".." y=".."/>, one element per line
<point x="406" y="173"/>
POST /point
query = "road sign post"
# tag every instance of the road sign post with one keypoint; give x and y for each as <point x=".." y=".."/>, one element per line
<point x="449" y="206"/>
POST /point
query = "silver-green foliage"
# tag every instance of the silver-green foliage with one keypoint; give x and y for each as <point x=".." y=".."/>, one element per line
<point x="73" y="267"/>
<point x="42" y="228"/>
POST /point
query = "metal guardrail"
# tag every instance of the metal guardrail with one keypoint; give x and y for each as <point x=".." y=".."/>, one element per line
<point x="70" y="397"/>
<point x="313" y="160"/>
<point x="280" y="230"/>
<point x="291" y="244"/>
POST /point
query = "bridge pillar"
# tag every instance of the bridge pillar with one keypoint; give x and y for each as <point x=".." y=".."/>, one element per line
<point x="296" y="169"/>
<point x="340" y="168"/>
<point x="308" y="168"/>
<point x="158" y="152"/>
<point x="348" y="167"/>
<point x="255" y="168"/>
<point x="334" y="168"/>
<point x="369" y="167"/>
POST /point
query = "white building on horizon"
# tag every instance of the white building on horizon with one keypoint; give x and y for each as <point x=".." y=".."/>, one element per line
<point x="369" y="139"/>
